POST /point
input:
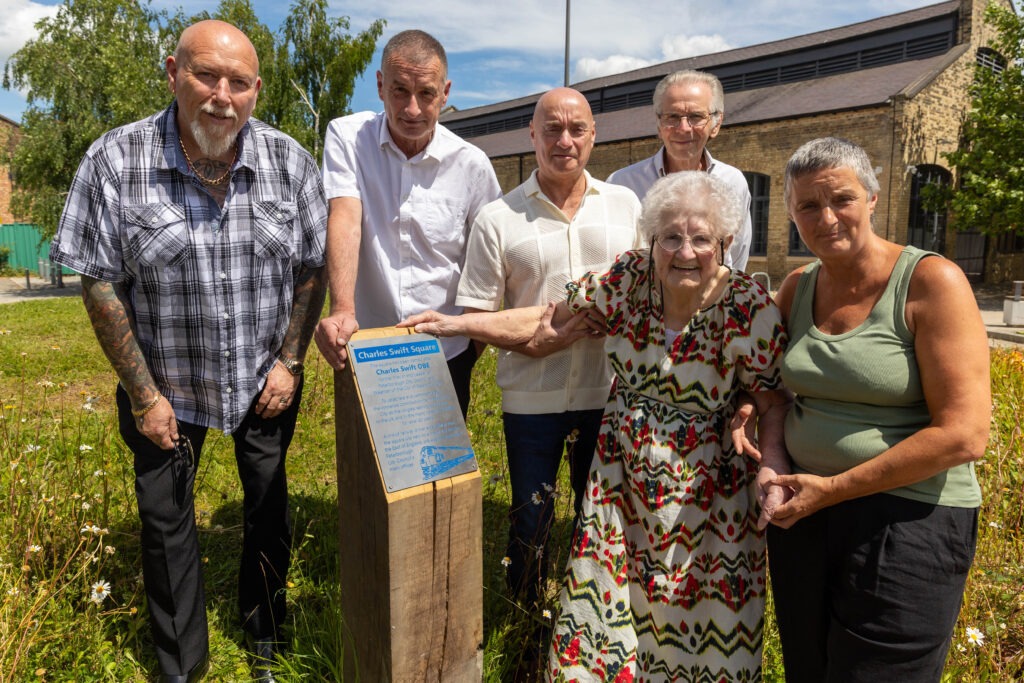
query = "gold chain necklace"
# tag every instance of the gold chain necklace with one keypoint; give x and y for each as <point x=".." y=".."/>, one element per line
<point x="208" y="181"/>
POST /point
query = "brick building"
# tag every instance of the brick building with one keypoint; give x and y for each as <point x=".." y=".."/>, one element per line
<point x="897" y="85"/>
<point x="8" y="132"/>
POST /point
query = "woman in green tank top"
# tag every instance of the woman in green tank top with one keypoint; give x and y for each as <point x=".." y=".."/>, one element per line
<point x="888" y="362"/>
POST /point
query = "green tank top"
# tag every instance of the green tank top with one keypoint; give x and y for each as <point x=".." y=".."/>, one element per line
<point x="859" y="393"/>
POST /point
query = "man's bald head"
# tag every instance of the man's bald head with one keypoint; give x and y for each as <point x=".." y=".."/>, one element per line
<point x="217" y="35"/>
<point x="215" y="76"/>
<point x="563" y="134"/>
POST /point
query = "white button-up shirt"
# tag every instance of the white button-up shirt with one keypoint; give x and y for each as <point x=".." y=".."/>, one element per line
<point x="416" y="216"/>
<point x="640" y="176"/>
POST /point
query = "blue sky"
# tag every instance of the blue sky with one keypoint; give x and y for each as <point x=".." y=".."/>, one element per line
<point x="501" y="51"/>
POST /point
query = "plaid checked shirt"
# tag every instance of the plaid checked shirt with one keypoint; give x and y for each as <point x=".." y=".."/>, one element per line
<point x="210" y="287"/>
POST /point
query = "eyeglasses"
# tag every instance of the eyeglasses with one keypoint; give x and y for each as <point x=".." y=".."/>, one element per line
<point x="695" y="121"/>
<point x="700" y="244"/>
<point x="183" y="462"/>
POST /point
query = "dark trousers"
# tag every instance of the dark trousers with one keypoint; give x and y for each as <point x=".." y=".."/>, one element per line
<point x="461" y="370"/>
<point x="171" y="558"/>
<point x="869" y="590"/>
<point x="535" y="444"/>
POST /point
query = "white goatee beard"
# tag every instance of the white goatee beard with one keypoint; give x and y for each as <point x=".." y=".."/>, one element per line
<point x="210" y="145"/>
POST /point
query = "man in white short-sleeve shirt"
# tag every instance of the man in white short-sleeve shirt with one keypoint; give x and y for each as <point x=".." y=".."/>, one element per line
<point x="689" y="106"/>
<point x="523" y="250"/>
<point x="403" y="193"/>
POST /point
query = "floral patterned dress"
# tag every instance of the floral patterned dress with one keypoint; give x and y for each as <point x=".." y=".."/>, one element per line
<point x="666" y="581"/>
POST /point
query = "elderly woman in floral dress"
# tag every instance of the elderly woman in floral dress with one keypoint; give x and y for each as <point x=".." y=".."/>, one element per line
<point x="666" y="581"/>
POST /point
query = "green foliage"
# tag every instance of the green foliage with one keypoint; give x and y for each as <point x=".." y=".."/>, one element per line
<point x="323" y="62"/>
<point x="990" y="159"/>
<point x="66" y="470"/>
<point x="99" y="64"/>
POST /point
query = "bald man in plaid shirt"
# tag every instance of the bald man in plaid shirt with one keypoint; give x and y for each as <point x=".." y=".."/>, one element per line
<point x="199" y="234"/>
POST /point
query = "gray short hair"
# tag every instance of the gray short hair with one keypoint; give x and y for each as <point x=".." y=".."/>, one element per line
<point x="419" y="46"/>
<point x="689" y="193"/>
<point x="825" y="153"/>
<point x="692" y="76"/>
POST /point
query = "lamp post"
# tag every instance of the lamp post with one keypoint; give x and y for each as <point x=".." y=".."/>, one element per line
<point x="567" y="3"/>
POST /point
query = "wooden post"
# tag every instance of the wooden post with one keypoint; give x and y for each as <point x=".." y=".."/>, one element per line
<point x="411" y="561"/>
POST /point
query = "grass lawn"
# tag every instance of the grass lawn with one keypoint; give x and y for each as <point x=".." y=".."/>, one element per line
<point x="69" y="525"/>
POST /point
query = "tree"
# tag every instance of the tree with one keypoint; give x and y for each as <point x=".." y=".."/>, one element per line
<point x="99" y="64"/>
<point x="990" y="159"/>
<point x="321" y="62"/>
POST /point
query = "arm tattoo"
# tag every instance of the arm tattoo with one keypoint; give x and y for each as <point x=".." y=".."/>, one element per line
<point x="109" y="311"/>
<point x="308" y="302"/>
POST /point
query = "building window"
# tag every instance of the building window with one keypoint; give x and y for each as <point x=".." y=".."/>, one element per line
<point x="990" y="59"/>
<point x="927" y="229"/>
<point x="796" y="245"/>
<point x="1010" y="243"/>
<point x="759" y="185"/>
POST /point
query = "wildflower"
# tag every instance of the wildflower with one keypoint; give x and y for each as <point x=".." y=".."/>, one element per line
<point x="506" y="562"/>
<point x="33" y="448"/>
<point x="88" y="406"/>
<point x="546" y="614"/>
<point x="100" y="592"/>
<point x="540" y="551"/>
<point x="85" y="447"/>
<point x="548" y="487"/>
<point x="995" y="525"/>
<point x="975" y="637"/>
<point x="960" y="648"/>
<point x="90" y="528"/>
<point x="14" y="465"/>
<point x="13" y="590"/>
<point x="133" y="611"/>
<point x="4" y="332"/>
<point x="109" y="550"/>
<point x="55" y="347"/>
<point x="44" y="383"/>
<point x="98" y="473"/>
<point x="535" y="498"/>
<point x="86" y="506"/>
<point x="33" y="549"/>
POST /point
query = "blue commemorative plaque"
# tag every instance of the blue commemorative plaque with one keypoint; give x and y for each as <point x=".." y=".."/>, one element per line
<point x="414" y="417"/>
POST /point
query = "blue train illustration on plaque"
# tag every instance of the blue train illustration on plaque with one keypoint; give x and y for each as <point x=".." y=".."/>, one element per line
<point x="436" y="460"/>
<point x="415" y="422"/>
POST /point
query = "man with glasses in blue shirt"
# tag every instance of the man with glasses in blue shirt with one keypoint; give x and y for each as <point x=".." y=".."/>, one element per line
<point x="690" y="106"/>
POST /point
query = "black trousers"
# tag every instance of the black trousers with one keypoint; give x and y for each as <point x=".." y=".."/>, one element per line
<point x="869" y="590"/>
<point x="461" y="370"/>
<point x="171" y="558"/>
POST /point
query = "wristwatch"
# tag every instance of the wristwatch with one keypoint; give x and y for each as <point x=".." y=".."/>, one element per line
<point x="291" y="365"/>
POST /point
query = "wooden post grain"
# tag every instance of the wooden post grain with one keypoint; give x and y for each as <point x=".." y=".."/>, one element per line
<point x="411" y="561"/>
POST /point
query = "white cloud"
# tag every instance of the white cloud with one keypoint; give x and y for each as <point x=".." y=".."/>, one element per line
<point x="672" y="47"/>
<point x="681" y="47"/>
<point x="17" y="24"/>
<point x="589" y="67"/>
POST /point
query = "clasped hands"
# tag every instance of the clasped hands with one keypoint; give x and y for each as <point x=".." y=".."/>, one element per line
<point x="784" y="498"/>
